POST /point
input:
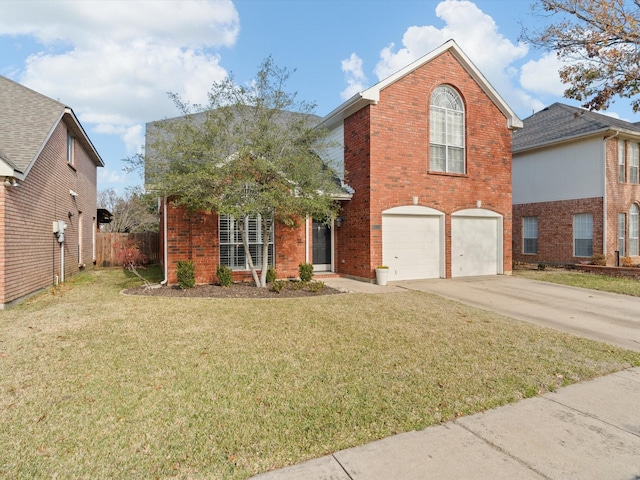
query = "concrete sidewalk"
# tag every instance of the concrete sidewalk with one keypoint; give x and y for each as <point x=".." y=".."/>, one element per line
<point x="585" y="431"/>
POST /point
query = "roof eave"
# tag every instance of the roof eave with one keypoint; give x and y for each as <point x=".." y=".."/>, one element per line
<point x="573" y="138"/>
<point x="82" y="136"/>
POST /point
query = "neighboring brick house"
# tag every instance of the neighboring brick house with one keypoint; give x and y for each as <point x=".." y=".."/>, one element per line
<point x="48" y="167"/>
<point x="576" y="191"/>
<point x="427" y="153"/>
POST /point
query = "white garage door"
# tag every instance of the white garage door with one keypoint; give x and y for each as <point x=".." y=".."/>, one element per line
<point x="411" y="246"/>
<point x="474" y="246"/>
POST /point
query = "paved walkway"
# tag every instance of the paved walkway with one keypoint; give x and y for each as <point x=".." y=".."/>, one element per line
<point x="585" y="431"/>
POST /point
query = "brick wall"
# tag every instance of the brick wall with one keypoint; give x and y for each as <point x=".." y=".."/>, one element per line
<point x="387" y="162"/>
<point x="31" y="252"/>
<point x="555" y="229"/>
<point x="620" y="197"/>
<point x="195" y="237"/>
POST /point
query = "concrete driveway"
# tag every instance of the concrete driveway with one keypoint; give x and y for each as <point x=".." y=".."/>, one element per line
<point x="602" y="316"/>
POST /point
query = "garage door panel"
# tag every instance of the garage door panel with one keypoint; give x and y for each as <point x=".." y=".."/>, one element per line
<point x="411" y="246"/>
<point x="474" y="246"/>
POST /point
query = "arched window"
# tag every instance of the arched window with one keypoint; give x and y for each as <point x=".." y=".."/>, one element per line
<point x="633" y="231"/>
<point x="446" y="131"/>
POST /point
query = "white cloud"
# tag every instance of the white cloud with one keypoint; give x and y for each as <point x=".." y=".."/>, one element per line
<point x="114" y="61"/>
<point x="354" y="74"/>
<point x="478" y="36"/>
<point x="541" y="76"/>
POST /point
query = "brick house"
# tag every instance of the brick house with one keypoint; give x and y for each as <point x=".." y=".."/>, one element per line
<point x="426" y="154"/>
<point x="576" y="190"/>
<point x="48" y="167"/>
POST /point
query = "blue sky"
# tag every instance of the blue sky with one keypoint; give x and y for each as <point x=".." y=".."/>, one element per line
<point x="114" y="61"/>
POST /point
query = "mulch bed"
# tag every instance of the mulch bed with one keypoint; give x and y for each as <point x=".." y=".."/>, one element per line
<point x="236" y="290"/>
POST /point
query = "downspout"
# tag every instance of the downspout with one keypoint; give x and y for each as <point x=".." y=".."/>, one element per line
<point x="604" y="196"/>
<point x="306" y="240"/>
<point x="165" y="248"/>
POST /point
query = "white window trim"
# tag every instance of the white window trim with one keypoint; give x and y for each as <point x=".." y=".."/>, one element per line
<point x="71" y="149"/>
<point x="634" y="220"/>
<point x="578" y="217"/>
<point x="622" y="233"/>
<point x="449" y="90"/>
<point x="525" y="237"/>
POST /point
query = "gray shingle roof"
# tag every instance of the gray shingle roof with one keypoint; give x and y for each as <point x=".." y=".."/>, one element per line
<point x="27" y="119"/>
<point x="560" y="122"/>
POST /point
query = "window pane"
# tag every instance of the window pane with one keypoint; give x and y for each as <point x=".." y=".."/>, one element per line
<point x="583" y="234"/>
<point x="446" y="129"/>
<point x="633" y="231"/>
<point x="232" y="252"/>
<point x="622" y="225"/>
<point x="584" y="248"/>
<point x="438" y="126"/>
<point x="621" y="161"/>
<point x="633" y="162"/>
<point x="455" y="129"/>
<point x="456" y="160"/>
<point x="530" y="235"/>
<point x="438" y="157"/>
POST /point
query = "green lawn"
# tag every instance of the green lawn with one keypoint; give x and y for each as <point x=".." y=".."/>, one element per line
<point x="94" y="384"/>
<point x="575" y="278"/>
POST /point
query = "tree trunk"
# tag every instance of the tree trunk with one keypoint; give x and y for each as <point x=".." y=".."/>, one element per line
<point x="267" y="228"/>
<point x="245" y="243"/>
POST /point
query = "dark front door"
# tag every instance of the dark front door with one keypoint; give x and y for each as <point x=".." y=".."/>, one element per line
<point x="321" y="245"/>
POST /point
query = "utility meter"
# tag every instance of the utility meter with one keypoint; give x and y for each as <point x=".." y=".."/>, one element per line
<point x="59" y="227"/>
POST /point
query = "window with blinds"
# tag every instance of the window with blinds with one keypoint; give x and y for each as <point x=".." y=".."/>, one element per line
<point x="633" y="231"/>
<point x="232" y="252"/>
<point x="622" y="167"/>
<point x="446" y="131"/>
<point x="634" y="162"/>
<point x="530" y="235"/>
<point x="622" y="231"/>
<point x="583" y="235"/>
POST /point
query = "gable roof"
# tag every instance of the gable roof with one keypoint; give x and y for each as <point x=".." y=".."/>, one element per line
<point x="27" y="120"/>
<point x="372" y="94"/>
<point x="560" y="123"/>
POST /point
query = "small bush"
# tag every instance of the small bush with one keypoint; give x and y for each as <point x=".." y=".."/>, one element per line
<point x="224" y="275"/>
<point x="306" y="272"/>
<point x="279" y="285"/>
<point x="542" y="266"/>
<point x="271" y="274"/>
<point x="315" y="287"/>
<point x="626" y="262"/>
<point x="599" y="260"/>
<point x="129" y="255"/>
<point x="186" y="274"/>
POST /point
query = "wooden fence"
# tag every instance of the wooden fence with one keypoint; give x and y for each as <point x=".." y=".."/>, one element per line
<point x="109" y="244"/>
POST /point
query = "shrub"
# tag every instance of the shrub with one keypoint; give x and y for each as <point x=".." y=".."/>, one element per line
<point x="271" y="274"/>
<point x="315" y="287"/>
<point x="626" y="262"/>
<point x="129" y="255"/>
<point x="186" y="274"/>
<point x="278" y="285"/>
<point x="224" y="275"/>
<point x="599" y="260"/>
<point x="542" y="266"/>
<point x="306" y="272"/>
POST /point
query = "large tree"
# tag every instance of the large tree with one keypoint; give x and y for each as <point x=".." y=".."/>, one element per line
<point x="599" y="41"/>
<point x="250" y="153"/>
